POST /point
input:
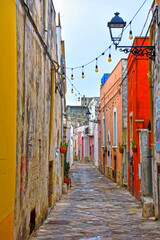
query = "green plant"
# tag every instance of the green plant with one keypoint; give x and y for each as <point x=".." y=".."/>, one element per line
<point x="121" y="146"/>
<point x="64" y="144"/>
<point x="133" y="143"/>
<point x="66" y="168"/>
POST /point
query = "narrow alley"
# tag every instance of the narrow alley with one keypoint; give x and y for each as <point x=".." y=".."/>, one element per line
<point x="95" y="208"/>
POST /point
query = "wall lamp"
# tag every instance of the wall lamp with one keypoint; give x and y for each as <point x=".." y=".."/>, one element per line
<point x="88" y="113"/>
<point x="116" y="28"/>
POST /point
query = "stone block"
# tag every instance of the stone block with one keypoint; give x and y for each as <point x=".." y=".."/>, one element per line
<point x="148" y="207"/>
<point x="64" y="188"/>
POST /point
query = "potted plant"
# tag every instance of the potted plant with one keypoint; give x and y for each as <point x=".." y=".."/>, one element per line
<point x="67" y="180"/>
<point x="105" y="149"/>
<point x="134" y="146"/>
<point x="66" y="172"/>
<point x="121" y="147"/>
<point x="63" y="146"/>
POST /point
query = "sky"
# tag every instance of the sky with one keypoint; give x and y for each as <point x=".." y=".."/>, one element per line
<point x="86" y="36"/>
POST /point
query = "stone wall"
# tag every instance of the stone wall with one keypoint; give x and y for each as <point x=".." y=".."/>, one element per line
<point x="155" y="81"/>
<point x="77" y="114"/>
<point x="37" y="168"/>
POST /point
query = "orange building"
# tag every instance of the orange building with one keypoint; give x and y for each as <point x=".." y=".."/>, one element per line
<point x="113" y="107"/>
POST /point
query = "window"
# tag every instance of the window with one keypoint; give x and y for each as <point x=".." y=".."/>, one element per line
<point x="115" y="127"/>
<point x="103" y="130"/>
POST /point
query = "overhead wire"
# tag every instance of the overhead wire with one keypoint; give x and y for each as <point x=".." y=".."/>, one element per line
<point x="112" y="44"/>
<point x="95" y="59"/>
<point x="77" y="67"/>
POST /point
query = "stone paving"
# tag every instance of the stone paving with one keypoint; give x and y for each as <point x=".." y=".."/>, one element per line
<point x="95" y="208"/>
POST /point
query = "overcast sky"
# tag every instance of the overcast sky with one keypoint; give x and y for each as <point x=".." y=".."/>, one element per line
<point x="86" y="36"/>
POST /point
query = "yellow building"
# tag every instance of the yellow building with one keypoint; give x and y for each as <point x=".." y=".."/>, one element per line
<point x="8" y="91"/>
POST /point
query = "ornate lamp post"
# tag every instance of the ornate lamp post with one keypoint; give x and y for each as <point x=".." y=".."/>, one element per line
<point x="116" y="28"/>
<point x="117" y="24"/>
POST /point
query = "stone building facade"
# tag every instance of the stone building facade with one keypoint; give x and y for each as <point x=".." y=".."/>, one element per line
<point x="154" y="81"/>
<point x="77" y="115"/>
<point x="39" y="116"/>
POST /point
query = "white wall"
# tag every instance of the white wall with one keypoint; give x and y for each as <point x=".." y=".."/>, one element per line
<point x="69" y="137"/>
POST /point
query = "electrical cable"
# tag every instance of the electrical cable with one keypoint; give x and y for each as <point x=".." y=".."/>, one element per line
<point x="74" y="86"/>
<point x="26" y="8"/>
<point x="111" y="44"/>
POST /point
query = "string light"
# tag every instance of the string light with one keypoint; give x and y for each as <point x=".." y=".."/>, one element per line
<point x="96" y="68"/>
<point x="130" y="32"/>
<point x="72" y="78"/>
<point x="109" y="56"/>
<point x="63" y="76"/>
<point x="72" y="90"/>
<point x="73" y="87"/>
<point x="78" y="98"/>
<point x="112" y="43"/>
<point x="83" y="72"/>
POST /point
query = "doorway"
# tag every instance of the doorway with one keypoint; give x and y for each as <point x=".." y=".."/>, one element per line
<point x="131" y="174"/>
<point x="115" y="167"/>
<point x="108" y="150"/>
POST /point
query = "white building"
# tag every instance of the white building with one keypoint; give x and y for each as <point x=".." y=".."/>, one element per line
<point x="69" y="137"/>
<point x="93" y="129"/>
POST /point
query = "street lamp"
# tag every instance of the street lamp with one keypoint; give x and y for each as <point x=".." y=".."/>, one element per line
<point x="117" y="25"/>
<point x="88" y="113"/>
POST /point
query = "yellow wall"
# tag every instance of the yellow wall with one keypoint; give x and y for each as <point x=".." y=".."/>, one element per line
<point x="8" y="79"/>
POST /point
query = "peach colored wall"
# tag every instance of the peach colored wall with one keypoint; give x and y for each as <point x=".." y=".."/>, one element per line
<point x="110" y="98"/>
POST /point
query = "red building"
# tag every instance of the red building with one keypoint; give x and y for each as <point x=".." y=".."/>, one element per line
<point x="138" y="116"/>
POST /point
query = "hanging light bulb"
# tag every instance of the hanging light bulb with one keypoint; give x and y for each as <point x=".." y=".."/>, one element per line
<point x="78" y="99"/>
<point x="63" y="76"/>
<point x="83" y="72"/>
<point x="72" y="90"/>
<point x="96" y="68"/>
<point x="72" y="78"/>
<point x="130" y="33"/>
<point x="109" y="56"/>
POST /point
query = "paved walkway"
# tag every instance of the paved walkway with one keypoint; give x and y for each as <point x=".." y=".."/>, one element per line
<point x="96" y="209"/>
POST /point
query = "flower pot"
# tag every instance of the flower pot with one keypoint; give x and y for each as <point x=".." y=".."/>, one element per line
<point x="134" y="149"/>
<point x="66" y="180"/>
<point x="63" y="150"/>
<point x="121" y="150"/>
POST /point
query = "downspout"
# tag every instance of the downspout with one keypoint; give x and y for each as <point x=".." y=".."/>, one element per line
<point x="150" y="89"/>
<point x="46" y="19"/>
<point x="51" y="109"/>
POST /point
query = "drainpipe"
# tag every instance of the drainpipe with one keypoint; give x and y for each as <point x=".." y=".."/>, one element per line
<point x="46" y="19"/>
<point x="150" y="89"/>
<point x="51" y="108"/>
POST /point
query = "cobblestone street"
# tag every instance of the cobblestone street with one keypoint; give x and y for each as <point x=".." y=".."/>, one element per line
<point x="95" y="208"/>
